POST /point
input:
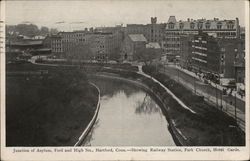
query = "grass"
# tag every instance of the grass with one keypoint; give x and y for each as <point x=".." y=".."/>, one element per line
<point x="124" y="66"/>
<point x="47" y="110"/>
<point x="212" y="126"/>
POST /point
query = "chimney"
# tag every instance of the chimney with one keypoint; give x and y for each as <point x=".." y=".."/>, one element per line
<point x="153" y="20"/>
<point x="188" y="19"/>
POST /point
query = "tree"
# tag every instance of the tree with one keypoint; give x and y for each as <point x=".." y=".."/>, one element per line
<point x="147" y="55"/>
<point x="53" y="31"/>
<point x="27" y="29"/>
<point x="44" y="31"/>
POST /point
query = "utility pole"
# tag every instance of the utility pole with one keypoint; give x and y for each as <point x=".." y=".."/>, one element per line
<point x="194" y="85"/>
<point x="216" y="93"/>
<point x="221" y="106"/>
<point x="235" y="111"/>
<point x="178" y="73"/>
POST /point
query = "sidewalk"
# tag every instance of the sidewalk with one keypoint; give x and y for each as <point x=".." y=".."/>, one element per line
<point x="211" y="83"/>
<point x="168" y="91"/>
<point x="227" y="108"/>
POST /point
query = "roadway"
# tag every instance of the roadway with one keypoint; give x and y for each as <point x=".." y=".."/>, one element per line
<point x="209" y="92"/>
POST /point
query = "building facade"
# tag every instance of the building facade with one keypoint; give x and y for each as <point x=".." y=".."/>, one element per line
<point x="218" y="56"/>
<point x="102" y="44"/>
<point x="205" y="54"/>
<point x="228" y="29"/>
<point x="186" y="51"/>
<point x="153" y="32"/>
<point x="56" y="45"/>
<point x="132" y="44"/>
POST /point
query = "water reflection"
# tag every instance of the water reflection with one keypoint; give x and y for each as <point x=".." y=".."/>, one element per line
<point x="128" y="116"/>
<point x="146" y="106"/>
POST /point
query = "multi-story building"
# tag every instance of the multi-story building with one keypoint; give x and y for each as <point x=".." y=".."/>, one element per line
<point x="102" y="44"/>
<point x="152" y="32"/>
<point x="228" y="29"/>
<point x="205" y="54"/>
<point x="56" y="45"/>
<point x="186" y="51"/>
<point x="114" y="40"/>
<point x="216" y="56"/>
<point x="239" y="63"/>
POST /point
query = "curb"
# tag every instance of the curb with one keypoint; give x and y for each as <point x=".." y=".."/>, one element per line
<point x="91" y="123"/>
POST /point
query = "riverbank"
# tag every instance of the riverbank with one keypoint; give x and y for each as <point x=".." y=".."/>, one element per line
<point x="47" y="106"/>
<point x="92" y="122"/>
<point x="209" y="127"/>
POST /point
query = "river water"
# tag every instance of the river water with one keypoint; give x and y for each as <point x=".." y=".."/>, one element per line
<point x="128" y="116"/>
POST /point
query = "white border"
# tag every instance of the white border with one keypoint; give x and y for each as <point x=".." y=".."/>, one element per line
<point x="7" y="153"/>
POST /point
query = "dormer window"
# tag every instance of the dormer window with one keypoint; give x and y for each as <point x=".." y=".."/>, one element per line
<point x="192" y="25"/>
<point x="171" y="25"/>
<point x="200" y="25"/>
<point x="219" y="25"/>
<point x="181" y="25"/>
<point x="230" y="25"/>
<point x="207" y="25"/>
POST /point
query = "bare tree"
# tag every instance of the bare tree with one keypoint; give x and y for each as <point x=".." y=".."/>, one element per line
<point x="147" y="55"/>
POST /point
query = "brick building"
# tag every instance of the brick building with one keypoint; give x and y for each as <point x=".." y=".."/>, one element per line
<point x="227" y="29"/>
<point x="132" y="43"/>
<point x="102" y="44"/>
<point x="153" y="32"/>
<point x="186" y="51"/>
<point x="216" y="55"/>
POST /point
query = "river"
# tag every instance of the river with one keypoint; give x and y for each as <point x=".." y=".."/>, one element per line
<point x="128" y="116"/>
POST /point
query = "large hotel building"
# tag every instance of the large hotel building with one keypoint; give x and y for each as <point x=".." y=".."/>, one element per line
<point x="228" y="29"/>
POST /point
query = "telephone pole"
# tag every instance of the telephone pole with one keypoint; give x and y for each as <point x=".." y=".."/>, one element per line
<point x="235" y="111"/>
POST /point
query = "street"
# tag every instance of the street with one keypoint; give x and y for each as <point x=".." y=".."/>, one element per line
<point x="209" y="92"/>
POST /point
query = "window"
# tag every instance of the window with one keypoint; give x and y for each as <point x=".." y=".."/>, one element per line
<point x="219" y="25"/>
<point x="171" y="25"/>
<point x="200" y="25"/>
<point x="181" y="25"/>
<point x="192" y="25"/>
<point x="230" y="25"/>
<point x="207" y="25"/>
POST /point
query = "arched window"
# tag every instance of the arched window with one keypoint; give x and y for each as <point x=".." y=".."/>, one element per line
<point x="230" y="25"/>
<point x="192" y="25"/>
<point x="171" y="25"/>
<point x="219" y="25"/>
<point x="200" y="25"/>
<point x="207" y="25"/>
<point x="181" y="25"/>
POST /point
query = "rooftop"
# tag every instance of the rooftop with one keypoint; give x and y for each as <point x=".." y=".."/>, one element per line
<point x="25" y="43"/>
<point x="154" y="45"/>
<point x="137" y="37"/>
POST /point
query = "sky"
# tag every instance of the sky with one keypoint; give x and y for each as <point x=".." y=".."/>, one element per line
<point x="75" y="15"/>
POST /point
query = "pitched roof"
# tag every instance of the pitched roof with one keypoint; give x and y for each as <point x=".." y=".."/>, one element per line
<point x="211" y="24"/>
<point x="25" y="43"/>
<point x="137" y="37"/>
<point x="172" y="19"/>
<point x="153" y="45"/>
